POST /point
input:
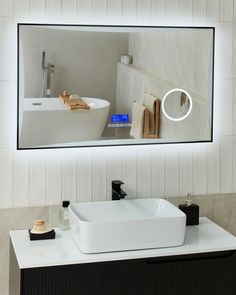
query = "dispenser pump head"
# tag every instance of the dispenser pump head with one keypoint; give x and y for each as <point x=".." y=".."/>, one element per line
<point x="188" y="200"/>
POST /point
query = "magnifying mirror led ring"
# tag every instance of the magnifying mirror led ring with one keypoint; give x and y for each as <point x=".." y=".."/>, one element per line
<point x="190" y="104"/>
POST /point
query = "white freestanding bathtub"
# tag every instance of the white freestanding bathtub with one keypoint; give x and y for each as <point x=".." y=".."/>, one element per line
<point x="48" y="121"/>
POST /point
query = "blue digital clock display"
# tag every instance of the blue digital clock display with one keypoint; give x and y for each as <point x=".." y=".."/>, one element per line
<point x="120" y="118"/>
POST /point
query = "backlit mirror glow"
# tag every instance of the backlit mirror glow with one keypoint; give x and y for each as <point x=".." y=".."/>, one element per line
<point x="82" y="85"/>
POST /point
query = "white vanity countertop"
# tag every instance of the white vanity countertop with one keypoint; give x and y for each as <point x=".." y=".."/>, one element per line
<point x="206" y="237"/>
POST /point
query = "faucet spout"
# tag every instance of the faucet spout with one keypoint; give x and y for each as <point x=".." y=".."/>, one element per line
<point x="117" y="192"/>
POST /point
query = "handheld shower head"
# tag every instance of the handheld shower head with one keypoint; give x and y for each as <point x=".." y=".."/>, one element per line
<point x="44" y="60"/>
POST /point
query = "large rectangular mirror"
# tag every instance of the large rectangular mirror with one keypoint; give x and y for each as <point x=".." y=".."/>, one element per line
<point x="82" y="85"/>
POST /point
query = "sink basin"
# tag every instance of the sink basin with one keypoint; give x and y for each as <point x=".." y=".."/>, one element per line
<point x="108" y="226"/>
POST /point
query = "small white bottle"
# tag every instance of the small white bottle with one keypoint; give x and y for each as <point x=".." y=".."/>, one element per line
<point x="64" y="222"/>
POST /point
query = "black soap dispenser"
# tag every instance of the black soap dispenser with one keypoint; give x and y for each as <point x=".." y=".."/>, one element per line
<point x="191" y="210"/>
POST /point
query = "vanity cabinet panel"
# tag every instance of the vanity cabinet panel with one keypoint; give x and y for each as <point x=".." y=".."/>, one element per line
<point x="196" y="274"/>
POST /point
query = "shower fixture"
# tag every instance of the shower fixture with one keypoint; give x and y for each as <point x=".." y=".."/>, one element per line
<point x="48" y="69"/>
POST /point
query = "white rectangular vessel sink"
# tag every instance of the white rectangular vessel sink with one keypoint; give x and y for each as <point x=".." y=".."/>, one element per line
<point x="108" y="226"/>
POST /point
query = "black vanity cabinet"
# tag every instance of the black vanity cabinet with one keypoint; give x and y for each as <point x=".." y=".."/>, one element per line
<point x="194" y="274"/>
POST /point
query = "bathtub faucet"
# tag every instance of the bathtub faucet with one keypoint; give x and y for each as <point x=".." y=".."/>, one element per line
<point x="117" y="192"/>
<point x="48" y="69"/>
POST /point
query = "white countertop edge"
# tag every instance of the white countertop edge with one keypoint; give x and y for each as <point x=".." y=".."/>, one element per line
<point x="205" y="238"/>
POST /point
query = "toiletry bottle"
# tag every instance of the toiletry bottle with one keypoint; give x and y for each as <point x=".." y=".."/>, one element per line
<point x="64" y="216"/>
<point x="191" y="210"/>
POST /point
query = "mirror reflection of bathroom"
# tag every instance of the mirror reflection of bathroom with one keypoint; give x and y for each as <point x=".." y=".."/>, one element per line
<point x="89" y="85"/>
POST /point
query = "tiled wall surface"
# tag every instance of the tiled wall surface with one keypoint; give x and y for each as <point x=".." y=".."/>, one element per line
<point x="36" y="178"/>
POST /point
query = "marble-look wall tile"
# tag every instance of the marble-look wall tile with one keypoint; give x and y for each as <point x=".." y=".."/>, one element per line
<point x="204" y="202"/>
<point x="12" y="219"/>
<point x="224" y="211"/>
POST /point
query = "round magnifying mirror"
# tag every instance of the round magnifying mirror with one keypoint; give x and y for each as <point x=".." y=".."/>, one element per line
<point x="177" y="104"/>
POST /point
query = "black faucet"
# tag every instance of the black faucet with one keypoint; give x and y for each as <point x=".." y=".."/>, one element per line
<point x="117" y="192"/>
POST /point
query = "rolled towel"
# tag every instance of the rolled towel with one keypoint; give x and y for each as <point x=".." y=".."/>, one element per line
<point x="136" y="130"/>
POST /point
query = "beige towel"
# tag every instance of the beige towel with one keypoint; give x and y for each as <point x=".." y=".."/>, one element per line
<point x="149" y="101"/>
<point x="136" y="130"/>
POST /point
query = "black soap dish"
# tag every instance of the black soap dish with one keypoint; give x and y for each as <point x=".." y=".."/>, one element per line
<point x="44" y="236"/>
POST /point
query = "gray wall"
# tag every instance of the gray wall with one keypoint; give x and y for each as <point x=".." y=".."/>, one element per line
<point x="85" y="62"/>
